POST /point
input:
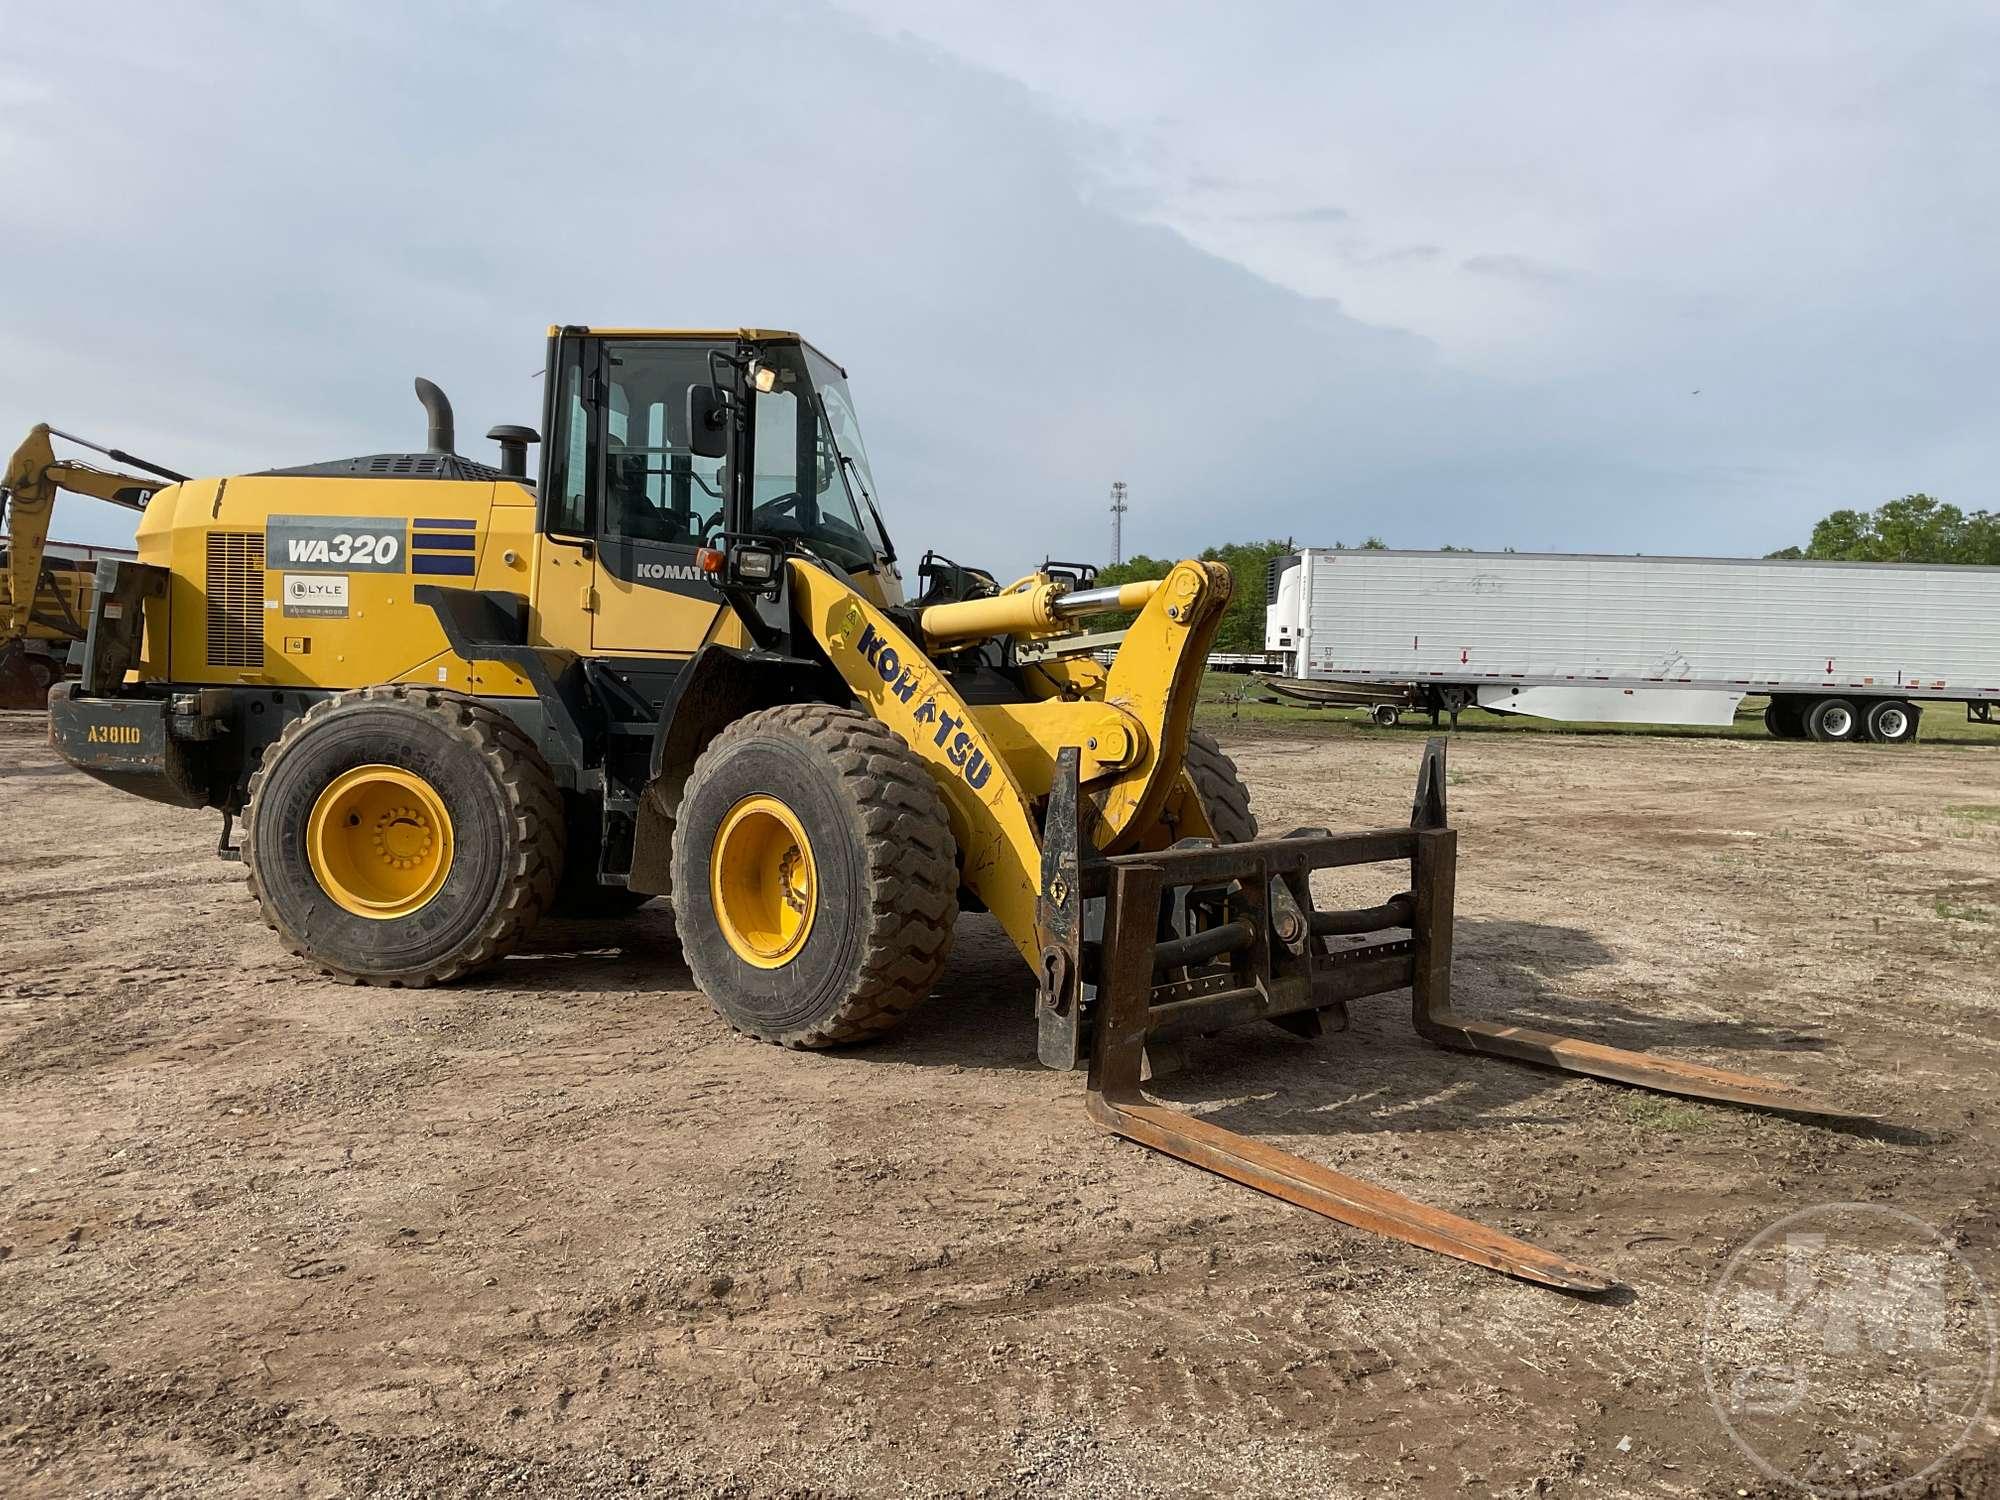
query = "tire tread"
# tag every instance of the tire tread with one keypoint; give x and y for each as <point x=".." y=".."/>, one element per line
<point x="533" y="864"/>
<point x="1224" y="798"/>
<point x="907" y="850"/>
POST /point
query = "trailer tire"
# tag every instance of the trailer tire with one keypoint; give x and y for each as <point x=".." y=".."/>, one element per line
<point x="815" y="876"/>
<point x="1225" y="800"/>
<point x="1387" y="715"/>
<point x="1833" y="721"/>
<point x="1784" y="719"/>
<point x="457" y="778"/>
<point x="1891" y="721"/>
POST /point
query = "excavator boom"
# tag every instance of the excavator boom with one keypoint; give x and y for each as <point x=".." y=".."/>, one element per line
<point x="28" y="490"/>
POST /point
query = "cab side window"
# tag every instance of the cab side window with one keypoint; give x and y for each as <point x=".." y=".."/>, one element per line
<point x="655" y="489"/>
<point x="572" y="444"/>
<point x="573" y="495"/>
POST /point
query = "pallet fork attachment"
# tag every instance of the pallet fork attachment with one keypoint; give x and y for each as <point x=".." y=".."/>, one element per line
<point x="1203" y="936"/>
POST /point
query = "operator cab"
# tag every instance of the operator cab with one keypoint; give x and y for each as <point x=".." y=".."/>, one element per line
<point x="667" y="446"/>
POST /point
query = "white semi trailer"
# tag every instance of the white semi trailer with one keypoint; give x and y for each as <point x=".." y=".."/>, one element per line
<point x="1846" y="651"/>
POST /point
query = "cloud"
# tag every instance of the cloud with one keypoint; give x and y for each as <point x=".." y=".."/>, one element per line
<point x="229" y="278"/>
<point x="1394" y="255"/>
<point x="1521" y="268"/>
<point x="1803" y="207"/>
<point x="1325" y="213"/>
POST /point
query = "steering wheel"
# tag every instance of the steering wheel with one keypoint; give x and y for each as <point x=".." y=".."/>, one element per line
<point x="778" y="506"/>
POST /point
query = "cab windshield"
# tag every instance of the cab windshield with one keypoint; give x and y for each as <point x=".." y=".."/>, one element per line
<point x="810" y="480"/>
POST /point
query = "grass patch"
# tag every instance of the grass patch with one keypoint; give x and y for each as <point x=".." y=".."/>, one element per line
<point x="1659" y="1112"/>
<point x="1231" y="697"/>
<point x="1975" y="812"/>
<point x="1961" y="911"/>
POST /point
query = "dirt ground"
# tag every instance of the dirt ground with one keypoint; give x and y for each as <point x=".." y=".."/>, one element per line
<point x="559" y="1231"/>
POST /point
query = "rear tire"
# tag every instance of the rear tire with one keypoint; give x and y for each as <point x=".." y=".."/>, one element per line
<point x="834" y="942"/>
<point x="1833" y="721"/>
<point x="463" y="767"/>
<point x="1387" y="715"/>
<point x="1225" y="800"/>
<point x="1891" y="721"/>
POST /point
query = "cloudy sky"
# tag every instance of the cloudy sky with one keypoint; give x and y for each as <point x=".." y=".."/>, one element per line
<point x="1438" y="273"/>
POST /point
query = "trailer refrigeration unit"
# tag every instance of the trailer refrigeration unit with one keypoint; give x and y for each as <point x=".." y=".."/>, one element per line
<point x="1846" y="651"/>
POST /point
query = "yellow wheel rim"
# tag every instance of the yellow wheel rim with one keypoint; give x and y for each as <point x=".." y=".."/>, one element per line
<point x="761" y="882"/>
<point x="379" y="841"/>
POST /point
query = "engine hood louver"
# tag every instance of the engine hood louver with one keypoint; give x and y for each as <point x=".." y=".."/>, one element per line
<point x="391" y="466"/>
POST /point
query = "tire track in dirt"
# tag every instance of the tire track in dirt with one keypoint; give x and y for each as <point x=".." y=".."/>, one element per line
<point x="560" y="1227"/>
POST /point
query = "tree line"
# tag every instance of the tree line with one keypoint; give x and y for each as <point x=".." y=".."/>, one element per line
<point x="1242" y="627"/>
<point x="1916" y="528"/>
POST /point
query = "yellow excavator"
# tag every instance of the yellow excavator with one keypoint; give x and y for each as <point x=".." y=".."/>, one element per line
<point x="447" y="698"/>
<point x="46" y="600"/>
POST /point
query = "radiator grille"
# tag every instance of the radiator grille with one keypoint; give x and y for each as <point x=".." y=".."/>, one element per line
<point x="235" y="599"/>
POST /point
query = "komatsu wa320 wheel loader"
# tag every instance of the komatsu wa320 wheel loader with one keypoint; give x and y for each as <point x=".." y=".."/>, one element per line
<point x="446" y="697"/>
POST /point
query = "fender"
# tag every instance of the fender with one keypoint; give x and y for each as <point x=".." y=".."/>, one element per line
<point x="491" y="625"/>
<point x="719" y="685"/>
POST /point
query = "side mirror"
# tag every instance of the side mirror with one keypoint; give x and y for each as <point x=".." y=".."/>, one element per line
<point x="708" y="421"/>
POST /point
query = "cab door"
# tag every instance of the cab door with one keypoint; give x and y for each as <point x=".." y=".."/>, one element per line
<point x="629" y="503"/>
<point x="658" y="503"/>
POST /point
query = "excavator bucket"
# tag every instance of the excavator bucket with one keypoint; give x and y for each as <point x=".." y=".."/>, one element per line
<point x="1141" y="950"/>
<point x="24" y="681"/>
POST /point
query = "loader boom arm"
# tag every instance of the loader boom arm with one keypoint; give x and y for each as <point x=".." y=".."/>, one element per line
<point x="995" y="761"/>
<point x="999" y="846"/>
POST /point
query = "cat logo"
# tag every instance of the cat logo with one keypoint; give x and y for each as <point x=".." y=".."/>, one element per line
<point x="113" y="734"/>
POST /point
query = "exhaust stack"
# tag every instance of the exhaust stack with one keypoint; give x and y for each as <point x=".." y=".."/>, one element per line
<point x="438" y="409"/>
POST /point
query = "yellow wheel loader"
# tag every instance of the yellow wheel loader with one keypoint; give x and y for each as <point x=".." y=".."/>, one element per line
<point x="446" y="697"/>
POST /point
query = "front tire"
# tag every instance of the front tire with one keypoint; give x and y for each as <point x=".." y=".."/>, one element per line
<point x="815" y="876"/>
<point x="402" y="835"/>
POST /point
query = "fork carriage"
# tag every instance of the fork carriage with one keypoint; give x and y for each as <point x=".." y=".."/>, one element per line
<point x="1143" y="950"/>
